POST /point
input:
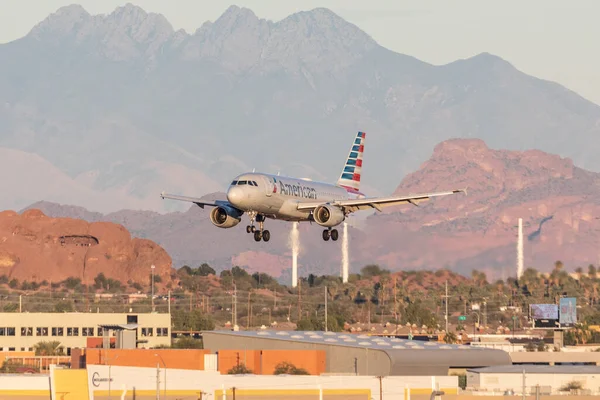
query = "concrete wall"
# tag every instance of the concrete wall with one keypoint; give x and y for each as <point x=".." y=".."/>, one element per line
<point x="34" y="387"/>
<point x="501" y="382"/>
<point x="188" y="384"/>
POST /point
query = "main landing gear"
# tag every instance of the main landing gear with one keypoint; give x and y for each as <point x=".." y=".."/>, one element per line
<point x="260" y="233"/>
<point x="330" y="233"/>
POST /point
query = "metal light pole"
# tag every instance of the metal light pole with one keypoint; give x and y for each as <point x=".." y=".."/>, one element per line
<point x="326" y="309"/>
<point x="152" y="267"/>
<point x="165" y="365"/>
<point x="109" y="375"/>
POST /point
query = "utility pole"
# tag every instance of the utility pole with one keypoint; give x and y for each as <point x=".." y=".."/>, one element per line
<point x="446" y="301"/>
<point x="523" y="383"/>
<point x="152" y="268"/>
<point x="233" y="390"/>
<point x="380" y="387"/>
<point x="248" y="313"/>
<point x="485" y="312"/>
<point x="356" y="366"/>
<point x="234" y="305"/>
<point x="325" y="308"/>
<point x="299" y="299"/>
<point x="157" y="381"/>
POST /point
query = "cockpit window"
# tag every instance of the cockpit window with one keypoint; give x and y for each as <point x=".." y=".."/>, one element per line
<point x="255" y="184"/>
<point x="234" y="183"/>
<point x="242" y="182"/>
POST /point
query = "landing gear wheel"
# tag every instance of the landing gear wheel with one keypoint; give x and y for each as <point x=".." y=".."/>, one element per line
<point x="266" y="235"/>
<point x="249" y="228"/>
<point x="326" y="235"/>
<point x="334" y="235"/>
<point x="257" y="236"/>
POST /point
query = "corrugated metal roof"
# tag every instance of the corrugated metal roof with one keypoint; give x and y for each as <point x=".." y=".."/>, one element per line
<point x="350" y="340"/>
<point x="539" y="369"/>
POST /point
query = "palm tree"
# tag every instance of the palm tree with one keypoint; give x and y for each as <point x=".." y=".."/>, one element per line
<point x="51" y="348"/>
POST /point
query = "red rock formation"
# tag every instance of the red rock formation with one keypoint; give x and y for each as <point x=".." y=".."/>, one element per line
<point x="478" y="231"/>
<point x="35" y="247"/>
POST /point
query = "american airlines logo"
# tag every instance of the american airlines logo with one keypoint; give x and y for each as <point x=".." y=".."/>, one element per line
<point x="305" y="192"/>
<point x="96" y="380"/>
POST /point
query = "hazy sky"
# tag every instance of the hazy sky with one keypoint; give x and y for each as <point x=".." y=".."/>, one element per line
<point x="550" y="39"/>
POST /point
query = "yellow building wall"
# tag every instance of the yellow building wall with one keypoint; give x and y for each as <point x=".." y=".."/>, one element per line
<point x="70" y="384"/>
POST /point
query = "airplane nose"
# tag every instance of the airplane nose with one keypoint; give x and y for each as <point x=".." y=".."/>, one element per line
<point x="234" y="195"/>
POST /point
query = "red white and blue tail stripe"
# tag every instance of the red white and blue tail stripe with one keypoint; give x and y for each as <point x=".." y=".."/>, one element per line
<point x="350" y="177"/>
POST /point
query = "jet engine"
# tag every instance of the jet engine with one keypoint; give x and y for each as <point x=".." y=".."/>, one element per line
<point x="225" y="217"/>
<point x="328" y="215"/>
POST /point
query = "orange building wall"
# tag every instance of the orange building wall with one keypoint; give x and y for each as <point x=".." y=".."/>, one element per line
<point x="311" y="360"/>
<point x="97" y="342"/>
<point x="173" y="358"/>
<point x="4" y="354"/>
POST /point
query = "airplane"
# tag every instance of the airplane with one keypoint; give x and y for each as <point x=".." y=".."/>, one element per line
<point x="263" y="196"/>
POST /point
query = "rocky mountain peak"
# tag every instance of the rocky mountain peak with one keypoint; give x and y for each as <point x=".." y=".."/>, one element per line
<point x="64" y="21"/>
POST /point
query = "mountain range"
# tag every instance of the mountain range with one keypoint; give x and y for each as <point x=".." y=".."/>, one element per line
<point x="558" y="202"/>
<point x="106" y="111"/>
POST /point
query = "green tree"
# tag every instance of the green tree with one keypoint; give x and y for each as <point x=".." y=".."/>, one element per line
<point x="192" y="321"/>
<point x="286" y="368"/>
<point x="205" y="270"/>
<point x="188" y="342"/>
<point x="372" y="270"/>
<point x="51" y="348"/>
<point x="63" y="306"/>
<point x="240" y="369"/>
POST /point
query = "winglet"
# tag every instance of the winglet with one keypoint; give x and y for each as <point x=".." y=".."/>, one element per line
<point x="162" y="195"/>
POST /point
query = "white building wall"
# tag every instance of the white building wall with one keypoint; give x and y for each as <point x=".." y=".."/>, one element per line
<point x="514" y="381"/>
<point x="10" y="382"/>
<point x="128" y="378"/>
<point x="30" y="322"/>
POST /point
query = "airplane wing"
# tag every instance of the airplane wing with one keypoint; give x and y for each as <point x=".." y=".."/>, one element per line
<point x="379" y="202"/>
<point x="199" y="202"/>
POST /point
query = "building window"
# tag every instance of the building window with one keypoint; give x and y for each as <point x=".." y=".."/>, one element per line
<point x="87" y="331"/>
<point x="11" y="349"/>
<point x="100" y="331"/>
<point x="147" y="331"/>
<point x="27" y="331"/>
<point x="2" y="331"/>
<point x="10" y="331"/>
<point x="72" y="331"/>
<point x="132" y="319"/>
<point x="41" y="331"/>
<point x="162" y="331"/>
<point x="57" y="331"/>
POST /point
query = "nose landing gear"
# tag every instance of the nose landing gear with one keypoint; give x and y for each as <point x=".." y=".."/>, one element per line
<point x="261" y="233"/>
<point x="330" y="233"/>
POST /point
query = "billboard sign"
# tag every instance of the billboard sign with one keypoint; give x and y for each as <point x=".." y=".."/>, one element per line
<point x="544" y="315"/>
<point x="568" y="311"/>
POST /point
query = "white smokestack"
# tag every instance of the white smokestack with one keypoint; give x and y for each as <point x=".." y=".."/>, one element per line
<point x="345" y="266"/>
<point x="294" y="243"/>
<point x="520" y="250"/>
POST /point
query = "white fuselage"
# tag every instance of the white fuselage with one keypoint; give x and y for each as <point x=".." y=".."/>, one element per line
<point x="277" y="197"/>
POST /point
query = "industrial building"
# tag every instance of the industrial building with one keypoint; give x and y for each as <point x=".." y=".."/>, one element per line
<point x="542" y="378"/>
<point x="363" y="354"/>
<point x="21" y="331"/>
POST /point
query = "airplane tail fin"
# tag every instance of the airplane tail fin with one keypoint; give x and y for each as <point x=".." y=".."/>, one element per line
<point x="350" y="177"/>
